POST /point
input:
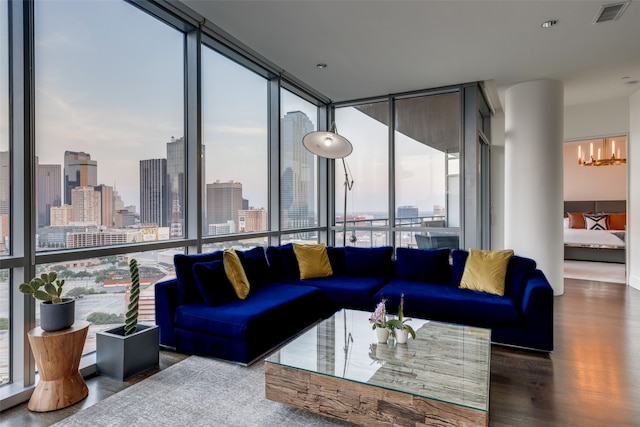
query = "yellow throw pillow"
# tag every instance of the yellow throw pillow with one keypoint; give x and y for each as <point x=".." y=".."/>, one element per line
<point x="486" y="270"/>
<point x="235" y="273"/>
<point x="313" y="260"/>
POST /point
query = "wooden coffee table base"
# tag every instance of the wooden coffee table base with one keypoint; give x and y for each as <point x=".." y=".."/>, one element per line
<point x="360" y="403"/>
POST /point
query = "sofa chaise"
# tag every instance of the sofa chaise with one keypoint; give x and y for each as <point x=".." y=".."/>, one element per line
<point x="199" y="313"/>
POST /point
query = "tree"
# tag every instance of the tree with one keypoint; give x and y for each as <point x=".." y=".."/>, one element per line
<point x="102" y="318"/>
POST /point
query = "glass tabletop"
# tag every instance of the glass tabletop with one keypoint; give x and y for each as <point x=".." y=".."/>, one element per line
<point x="446" y="362"/>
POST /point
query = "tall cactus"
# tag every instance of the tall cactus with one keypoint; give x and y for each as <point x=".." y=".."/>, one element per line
<point x="131" y="318"/>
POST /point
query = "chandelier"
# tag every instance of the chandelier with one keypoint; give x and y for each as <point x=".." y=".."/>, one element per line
<point x="606" y="155"/>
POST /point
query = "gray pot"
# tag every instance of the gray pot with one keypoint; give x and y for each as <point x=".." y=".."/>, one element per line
<point x="121" y="357"/>
<point x="56" y="317"/>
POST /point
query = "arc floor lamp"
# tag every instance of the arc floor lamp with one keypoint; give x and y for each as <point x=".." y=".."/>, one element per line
<point x="330" y="145"/>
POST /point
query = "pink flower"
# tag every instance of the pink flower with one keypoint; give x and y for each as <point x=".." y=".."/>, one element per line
<point x="379" y="316"/>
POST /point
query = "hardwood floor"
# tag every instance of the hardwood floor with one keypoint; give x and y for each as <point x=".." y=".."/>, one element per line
<point x="591" y="379"/>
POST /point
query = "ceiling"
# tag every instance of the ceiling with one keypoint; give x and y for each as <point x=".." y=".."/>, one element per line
<point x="374" y="48"/>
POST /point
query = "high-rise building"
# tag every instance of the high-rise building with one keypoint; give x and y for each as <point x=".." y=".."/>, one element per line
<point x="407" y="212"/>
<point x="224" y="201"/>
<point x="79" y="171"/>
<point x="175" y="185"/>
<point x="5" y="183"/>
<point x="106" y="204"/>
<point x="153" y="192"/>
<point x="61" y="215"/>
<point x="298" y="190"/>
<point x="252" y="220"/>
<point x="86" y="205"/>
<point x="48" y="191"/>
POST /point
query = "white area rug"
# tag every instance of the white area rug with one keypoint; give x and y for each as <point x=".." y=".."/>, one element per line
<point x="595" y="271"/>
<point x="197" y="392"/>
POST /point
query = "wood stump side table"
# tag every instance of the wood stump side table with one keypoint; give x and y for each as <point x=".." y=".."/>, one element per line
<point x="57" y="356"/>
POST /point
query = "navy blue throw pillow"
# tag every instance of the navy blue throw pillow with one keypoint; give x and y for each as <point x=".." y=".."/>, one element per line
<point x="187" y="289"/>
<point x="336" y="259"/>
<point x="423" y="265"/>
<point x="212" y="283"/>
<point x="254" y="263"/>
<point x="368" y="262"/>
<point x="458" y="261"/>
<point x="519" y="270"/>
<point x="283" y="262"/>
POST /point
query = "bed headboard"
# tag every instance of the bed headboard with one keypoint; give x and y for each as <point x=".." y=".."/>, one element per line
<point x="595" y="206"/>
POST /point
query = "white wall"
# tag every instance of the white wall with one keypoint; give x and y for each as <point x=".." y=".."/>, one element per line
<point x="592" y="183"/>
<point x="610" y="117"/>
<point x="633" y="204"/>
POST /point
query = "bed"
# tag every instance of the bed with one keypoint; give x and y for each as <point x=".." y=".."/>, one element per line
<point x="603" y="245"/>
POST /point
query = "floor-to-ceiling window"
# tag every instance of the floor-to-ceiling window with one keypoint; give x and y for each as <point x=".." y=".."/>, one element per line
<point x="408" y="185"/>
<point x="119" y="115"/>
<point x="367" y="216"/>
<point x="236" y="139"/>
<point x="4" y="190"/>
<point x="110" y="148"/>
<point x="298" y="167"/>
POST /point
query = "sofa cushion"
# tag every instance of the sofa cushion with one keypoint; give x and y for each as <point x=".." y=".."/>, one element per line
<point x="188" y="291"/>
<point x="250" y="319"/>
<point x="212" y="282"/>
<point x="255" y="265"/>
<point x="486" y="271"/>
<point x="519" y="270"/>
<point x="235" y="273"/>
<point x="423" y="265"/>
<point x="368" y="262"/>
<point x="449" y="303"/>
<point x="313" y="260"/>
<point x="283" y="262"/>
<point x="348" y="291"/>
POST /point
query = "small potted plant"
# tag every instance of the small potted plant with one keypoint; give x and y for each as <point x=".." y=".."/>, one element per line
<point x="399" y="327"/>
<point x="56" y="313"/>
<point x="379" y="321"/>
<point x="132" y="348"/>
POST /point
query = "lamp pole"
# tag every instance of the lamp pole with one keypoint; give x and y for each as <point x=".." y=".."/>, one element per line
<point x="348" y="185"/>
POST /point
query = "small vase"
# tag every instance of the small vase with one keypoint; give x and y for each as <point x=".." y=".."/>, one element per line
<point x="383" y="334"/>
<point x="402" y="335"/>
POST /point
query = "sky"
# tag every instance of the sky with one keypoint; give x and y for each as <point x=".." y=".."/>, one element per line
<point x="109" y="82"/>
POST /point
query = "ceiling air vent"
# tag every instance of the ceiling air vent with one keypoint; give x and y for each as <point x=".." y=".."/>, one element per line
<point x="610" y="12"/>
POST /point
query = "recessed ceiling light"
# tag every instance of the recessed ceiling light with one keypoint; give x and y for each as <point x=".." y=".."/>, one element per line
<point x="321" y="65"/>
<point x="549" y="24"/>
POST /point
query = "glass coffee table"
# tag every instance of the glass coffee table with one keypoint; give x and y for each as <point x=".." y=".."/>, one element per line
<point x="338" y="369"/>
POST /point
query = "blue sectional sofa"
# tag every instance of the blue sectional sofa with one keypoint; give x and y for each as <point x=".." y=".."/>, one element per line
<point x="199" y="313"/>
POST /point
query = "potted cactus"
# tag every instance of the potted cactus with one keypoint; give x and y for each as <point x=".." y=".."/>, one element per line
<point x="132" y="348"/>
<point x="56" y="312"/>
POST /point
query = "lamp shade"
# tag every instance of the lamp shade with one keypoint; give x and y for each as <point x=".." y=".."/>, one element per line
<point x="327" y="144"/>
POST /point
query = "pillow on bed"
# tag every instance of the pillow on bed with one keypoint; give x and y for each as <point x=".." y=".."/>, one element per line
<point x="617" y="221"/>
<point x="576" y="219"/>
<point x="596" y="222"/>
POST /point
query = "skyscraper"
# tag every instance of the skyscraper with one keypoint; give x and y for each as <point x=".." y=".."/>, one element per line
<point x="224" y="201"/>
<point x="106" y="204"/>
<point x="298" y="192"/>
<point x="175" y="185"/>
<point x="176" y="181"/>
<point x="48" y="191"/>
<point x="153" y="192"/>
<point x="86" y="205"/>
<point x="79" y="171"/>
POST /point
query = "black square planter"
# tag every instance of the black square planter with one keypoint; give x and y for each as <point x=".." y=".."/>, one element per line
<point x="122" y="357"/>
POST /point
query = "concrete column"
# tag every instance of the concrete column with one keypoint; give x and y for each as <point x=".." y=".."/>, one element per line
<point x="533" y="202"/>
